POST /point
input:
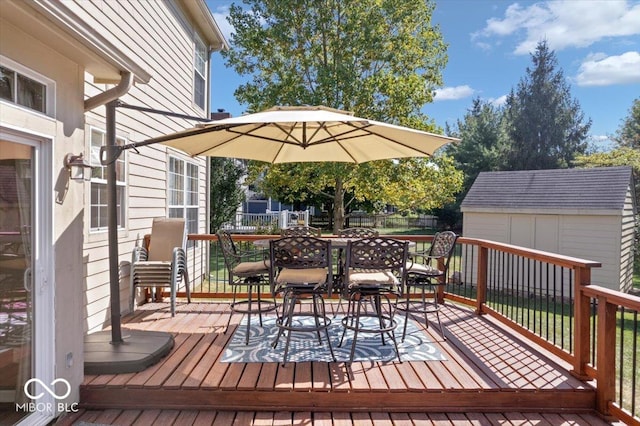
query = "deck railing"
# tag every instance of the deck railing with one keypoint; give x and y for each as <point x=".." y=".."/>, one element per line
<point x="546" y="297"/>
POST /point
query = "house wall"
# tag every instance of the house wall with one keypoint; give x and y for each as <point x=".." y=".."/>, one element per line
<point x="160" y="39"/>
<point x="64" y="132"/>
<point x="592" y="237"/>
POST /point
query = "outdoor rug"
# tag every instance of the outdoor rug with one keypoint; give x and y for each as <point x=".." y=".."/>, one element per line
<point x="305" y="346"/>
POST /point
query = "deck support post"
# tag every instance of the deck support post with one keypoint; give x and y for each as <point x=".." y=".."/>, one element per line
<point x="582" y="315"/>
<point x="606" y="349"/>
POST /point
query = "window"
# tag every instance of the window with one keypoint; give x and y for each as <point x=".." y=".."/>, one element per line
<point x="183" y="192"/>
<point x="199" y="73"/>
<point x="99" y="184"/>
<point x="23" y="90"/>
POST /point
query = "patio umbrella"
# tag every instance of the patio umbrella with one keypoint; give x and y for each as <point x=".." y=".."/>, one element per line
<point x="286" y="134"/>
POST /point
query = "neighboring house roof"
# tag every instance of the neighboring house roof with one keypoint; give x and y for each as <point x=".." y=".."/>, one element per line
<point x="601" y="188"/>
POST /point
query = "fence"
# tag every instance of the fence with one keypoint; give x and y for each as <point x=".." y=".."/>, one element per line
<point x="379" y="221"/>
<point x="266" y="223"/>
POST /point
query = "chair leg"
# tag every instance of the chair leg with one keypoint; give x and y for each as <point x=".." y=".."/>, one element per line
<point x="355" y="332"/>
<point x="186" y="284"/>
<point x="406" y="313"/>
<point x="232" y="306"/>
<point x="249" y="308"/>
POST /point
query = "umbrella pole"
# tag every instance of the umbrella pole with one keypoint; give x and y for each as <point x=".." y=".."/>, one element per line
<point x="112" y="224"/>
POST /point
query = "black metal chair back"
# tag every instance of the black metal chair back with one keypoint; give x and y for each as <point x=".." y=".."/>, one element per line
<point x="300" y="231"/>
<point x="358" y="233"/>
<point x="299" y="252"/>
<point x="379" y="254"/>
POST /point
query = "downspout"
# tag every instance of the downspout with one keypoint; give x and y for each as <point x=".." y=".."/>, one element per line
<point x="109" y="97"/>
<point x="126" y="81"/>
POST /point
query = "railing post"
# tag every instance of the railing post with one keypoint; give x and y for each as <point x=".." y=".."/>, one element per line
<point x="582" y="316"/>
<point x="606" y="348"/>
<point x="483" y="261"/>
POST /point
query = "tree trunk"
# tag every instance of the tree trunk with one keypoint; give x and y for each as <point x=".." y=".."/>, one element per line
<point x="338" y="207"/>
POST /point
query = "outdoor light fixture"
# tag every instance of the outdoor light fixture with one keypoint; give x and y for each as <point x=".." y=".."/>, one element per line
<point x="79" y="168"/>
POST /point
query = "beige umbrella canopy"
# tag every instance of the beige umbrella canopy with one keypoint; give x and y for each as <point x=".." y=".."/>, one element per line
<point x="286" y="134"/>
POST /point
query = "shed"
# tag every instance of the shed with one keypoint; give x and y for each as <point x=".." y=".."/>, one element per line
<point x="585" y="213"/>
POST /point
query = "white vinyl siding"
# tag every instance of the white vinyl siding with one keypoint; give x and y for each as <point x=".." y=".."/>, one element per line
<point x="161" y="38"/>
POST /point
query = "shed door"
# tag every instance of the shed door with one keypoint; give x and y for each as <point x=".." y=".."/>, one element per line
<point x="522" y="230"/>
<point x="547" y="233"/>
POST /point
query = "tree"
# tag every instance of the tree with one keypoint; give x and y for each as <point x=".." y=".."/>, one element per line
<point x="226" y="193"/>
<point x="628" y="135"/>
<point x="545" y="126"/>
<point x="481" y="143"/>
<point x="379" y="59"/>
<point x="480" y="149"/>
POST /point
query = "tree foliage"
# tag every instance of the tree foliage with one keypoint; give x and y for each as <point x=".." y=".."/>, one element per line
<point x="226" y="193"/>
<point x="545" y="126"/>
<point x="482" y="141"/>
<point x="628" y="135"/>
<point x="380" y="59"/>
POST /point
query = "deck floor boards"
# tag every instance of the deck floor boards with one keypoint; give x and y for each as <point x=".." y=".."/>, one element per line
<point x="488" y="370"/>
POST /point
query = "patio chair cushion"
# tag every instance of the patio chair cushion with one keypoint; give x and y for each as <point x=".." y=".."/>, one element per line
<point x="361" y="277"/>
<point x="252" y="268"/>
<point x="419" y="268"/>
<point x="302" y="276"/>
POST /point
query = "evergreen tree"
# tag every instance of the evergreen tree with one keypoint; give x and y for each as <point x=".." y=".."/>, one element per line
<point x="545" y="126"/>
<point x="481" y="143"/>
<point x="628" y="135"/>
<point x="226" y="193"/>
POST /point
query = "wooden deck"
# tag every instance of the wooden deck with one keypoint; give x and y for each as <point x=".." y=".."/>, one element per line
<point x="489" y="371"/>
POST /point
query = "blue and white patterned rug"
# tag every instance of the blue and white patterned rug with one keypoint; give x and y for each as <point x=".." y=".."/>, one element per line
<point x="305" y="346"/>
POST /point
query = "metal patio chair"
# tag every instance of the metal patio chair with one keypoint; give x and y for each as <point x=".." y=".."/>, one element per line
<point x="426" y="272"/>
<point x="250" y="269"/>
<point x="300" y="231"/>
<point x="301" y="270"/>
<point x="374" y="270"/>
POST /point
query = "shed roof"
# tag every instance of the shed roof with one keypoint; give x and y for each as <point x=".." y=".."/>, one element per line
<point x="601" y="188"/>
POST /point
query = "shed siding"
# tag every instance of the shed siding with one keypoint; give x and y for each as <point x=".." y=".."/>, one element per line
<point x="161" y="40"/>
<point x="594" y="238"/>
<point x="627" y="243"/>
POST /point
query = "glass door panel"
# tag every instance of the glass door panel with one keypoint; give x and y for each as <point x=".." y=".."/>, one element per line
<point x="16" y="301"/>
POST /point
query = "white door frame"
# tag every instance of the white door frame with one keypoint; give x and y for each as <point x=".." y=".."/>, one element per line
<point x="42" y="268"/>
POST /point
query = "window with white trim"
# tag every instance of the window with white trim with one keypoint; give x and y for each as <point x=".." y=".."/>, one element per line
<point x="183" y="192"/>
<point x="99" y="184"/>
<point x="199" y="72"/>
<point x="26" y="88"/>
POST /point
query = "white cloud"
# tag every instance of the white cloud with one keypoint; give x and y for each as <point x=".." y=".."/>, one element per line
<point x="564" y="23"/>
<point x="220" y="15"/>
<point x="498" y="102"/>
<point x="600" y="70"/>
<point x="453" y="93"/>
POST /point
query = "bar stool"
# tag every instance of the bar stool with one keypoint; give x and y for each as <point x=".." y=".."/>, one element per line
<point x="243" y="271"/>
<point x="374" y="270"/>
<point x="301" y="270"/>
<point x="426" y="272"/>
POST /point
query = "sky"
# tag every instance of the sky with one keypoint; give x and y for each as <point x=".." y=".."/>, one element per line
<point x="596" y="42"/>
